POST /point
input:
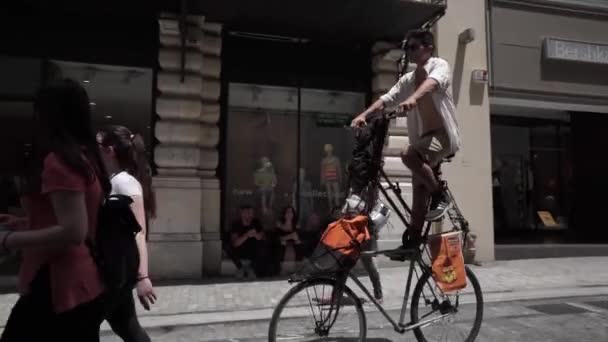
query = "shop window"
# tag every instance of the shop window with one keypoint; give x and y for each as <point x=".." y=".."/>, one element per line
<point x="272" y="142"/>
<point x="20" y="79"/>
<point x="532" y="180"/>
<point x="119" y="95"/>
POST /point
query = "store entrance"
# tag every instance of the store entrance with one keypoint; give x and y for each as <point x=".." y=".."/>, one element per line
<point x="532" y="180"/>
<point x="590" y="176"/>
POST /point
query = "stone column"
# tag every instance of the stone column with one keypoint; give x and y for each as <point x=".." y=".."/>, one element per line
<point x="184" y="239"/>
<point x="469" y="174"/>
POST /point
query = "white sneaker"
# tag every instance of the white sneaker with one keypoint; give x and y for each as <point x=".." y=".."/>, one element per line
<point x="439" y="206"/>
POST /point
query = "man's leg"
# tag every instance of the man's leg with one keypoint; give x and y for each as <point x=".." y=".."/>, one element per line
<point x="423" y="159"/>
<point x="369" y="263"/>
<point x="420" y="202"/>
<point x="414" y="160"/>
<point x="245" y="254"/>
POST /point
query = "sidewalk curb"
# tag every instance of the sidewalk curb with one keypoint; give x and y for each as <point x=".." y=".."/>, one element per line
<point x="264" y="314"/>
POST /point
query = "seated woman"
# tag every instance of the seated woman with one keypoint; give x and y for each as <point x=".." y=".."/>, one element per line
<point x="288" y="235"/>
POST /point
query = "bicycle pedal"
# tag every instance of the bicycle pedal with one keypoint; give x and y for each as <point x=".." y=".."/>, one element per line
<point x="399" y="254"/>
<point x="401" y="258"/>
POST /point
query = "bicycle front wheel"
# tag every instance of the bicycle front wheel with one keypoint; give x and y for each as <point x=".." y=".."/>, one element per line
<point x="318" y="310"/>
<point x="454" y="316"/>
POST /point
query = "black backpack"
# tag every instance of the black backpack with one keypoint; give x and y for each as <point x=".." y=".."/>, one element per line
<point x="114" y="247"/>
<point x="366" y="163"/>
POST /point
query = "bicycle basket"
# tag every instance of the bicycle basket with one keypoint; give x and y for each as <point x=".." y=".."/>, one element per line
<point x="340" y="246"/>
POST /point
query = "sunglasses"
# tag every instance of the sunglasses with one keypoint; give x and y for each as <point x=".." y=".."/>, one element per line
<point x="413" y="46"/>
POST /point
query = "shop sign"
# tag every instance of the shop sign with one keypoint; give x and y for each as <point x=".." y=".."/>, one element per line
<point x="565" y="50"/>
<point x="333" y="120"/>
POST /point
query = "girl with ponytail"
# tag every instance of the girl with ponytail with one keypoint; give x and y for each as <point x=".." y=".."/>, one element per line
<point x="126" y="162"/>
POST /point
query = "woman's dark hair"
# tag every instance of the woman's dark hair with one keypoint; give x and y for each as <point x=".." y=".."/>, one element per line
<point x="294" y="220"/>
<point x="63" y="120"/>
<point x="130" y="151"/>
<point x="425" y="37"/>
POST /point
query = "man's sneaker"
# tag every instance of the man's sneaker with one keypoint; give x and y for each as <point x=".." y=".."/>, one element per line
<point x="440" y="204"/>
<point x="403" y="252"/>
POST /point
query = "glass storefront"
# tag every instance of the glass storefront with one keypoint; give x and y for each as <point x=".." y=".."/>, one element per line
<point x="287" y="102"/>
<point x="532" y="179"/>
<point x="21" y="78"/>
<point x="119" y="96"/>
<point x="265" y="159"/>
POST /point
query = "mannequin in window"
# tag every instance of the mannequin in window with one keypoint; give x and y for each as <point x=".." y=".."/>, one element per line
<point x="265" y="179"/>
<point x="331" y="176"/>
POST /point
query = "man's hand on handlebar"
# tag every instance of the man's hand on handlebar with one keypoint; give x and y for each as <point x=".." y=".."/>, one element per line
<point x="407" y="105"/>
<point x="359" y="121"/>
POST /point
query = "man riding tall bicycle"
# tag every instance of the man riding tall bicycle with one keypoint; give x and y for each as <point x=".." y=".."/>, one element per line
<point x="432" y="128"/>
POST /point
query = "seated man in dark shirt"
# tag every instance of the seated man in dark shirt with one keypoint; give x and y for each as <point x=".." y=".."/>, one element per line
<point x="248" y="240"/>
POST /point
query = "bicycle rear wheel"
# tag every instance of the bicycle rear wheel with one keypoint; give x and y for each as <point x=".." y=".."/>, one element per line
<point x="318" y="310"/>
<point x="454" y="316"/>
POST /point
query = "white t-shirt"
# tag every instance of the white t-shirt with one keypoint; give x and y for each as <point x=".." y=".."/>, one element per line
<point x="125" y="184"/>
<point x="438" y="69"/>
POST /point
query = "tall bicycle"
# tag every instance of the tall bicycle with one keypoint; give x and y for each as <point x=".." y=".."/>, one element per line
<point x="321" y="306"/>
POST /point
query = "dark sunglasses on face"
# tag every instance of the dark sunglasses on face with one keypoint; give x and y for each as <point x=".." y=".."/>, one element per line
<point x="413" y="47"/>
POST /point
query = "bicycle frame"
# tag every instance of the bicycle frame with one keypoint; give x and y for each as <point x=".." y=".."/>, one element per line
<point x="400" y="326"/>
<point x="459" y="223"/>
<point x="416" y="257"/>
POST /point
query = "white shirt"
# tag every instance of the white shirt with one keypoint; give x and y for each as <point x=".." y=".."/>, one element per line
<point x="439" y="70"/>
<point x="125" y="184"/>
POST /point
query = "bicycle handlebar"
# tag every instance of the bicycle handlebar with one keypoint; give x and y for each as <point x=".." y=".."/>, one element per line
<point x="387" y="115"/>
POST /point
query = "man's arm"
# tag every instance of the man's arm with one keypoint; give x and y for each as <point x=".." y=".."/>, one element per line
<point x="438" y="78"/>
<point x="426" y="87"/>
<point x="238" y="240"/>
<point x="361" y="118"/>
<point x="429" y="85"/>
<point x="388" y="100"/>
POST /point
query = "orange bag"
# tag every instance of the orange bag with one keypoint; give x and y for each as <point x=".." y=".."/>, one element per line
<point x="340" y="246"/>
<point x="347" y="235"/>
<point x="448" y="262"/>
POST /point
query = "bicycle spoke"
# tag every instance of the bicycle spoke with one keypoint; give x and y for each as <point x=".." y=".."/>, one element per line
<point x="452" y="320"/>
<point x="331" y="323"/>
<point x="311" y="308"/>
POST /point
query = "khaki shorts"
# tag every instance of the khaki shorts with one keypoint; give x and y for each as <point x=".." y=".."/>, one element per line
<point x="433" y="146"/>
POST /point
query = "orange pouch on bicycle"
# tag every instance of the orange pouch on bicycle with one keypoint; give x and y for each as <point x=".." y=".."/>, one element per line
<point x="448" y="262"/>
<point x="347" y="236"/>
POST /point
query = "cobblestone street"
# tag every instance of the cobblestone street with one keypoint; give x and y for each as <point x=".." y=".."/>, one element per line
<point x="223" y="309"/>
<point x="561" y="320"/>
